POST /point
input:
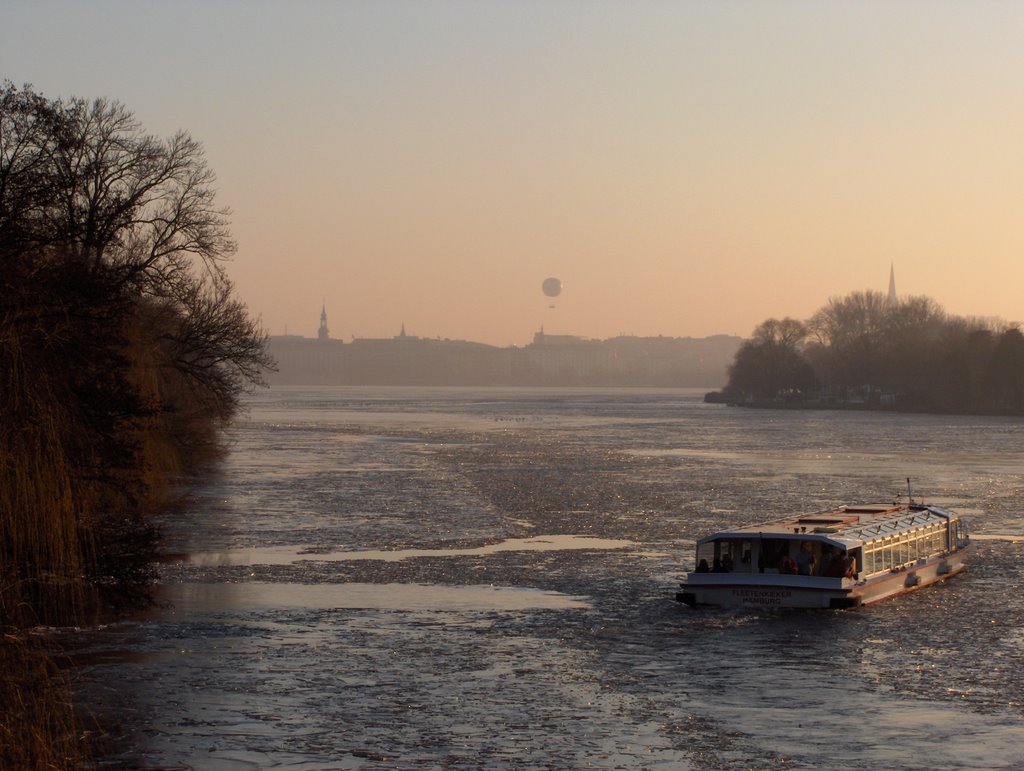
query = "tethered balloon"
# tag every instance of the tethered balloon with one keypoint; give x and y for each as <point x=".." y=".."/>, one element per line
<point x="552" y="287"/>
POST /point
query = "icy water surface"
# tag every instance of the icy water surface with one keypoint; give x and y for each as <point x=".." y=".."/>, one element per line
<point x="459" y="578"/>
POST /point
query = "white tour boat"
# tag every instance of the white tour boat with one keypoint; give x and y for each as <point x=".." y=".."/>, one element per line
<point x="841" y="558"/>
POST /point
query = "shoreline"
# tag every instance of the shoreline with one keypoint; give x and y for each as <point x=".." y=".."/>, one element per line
<point x="718" y="397"/>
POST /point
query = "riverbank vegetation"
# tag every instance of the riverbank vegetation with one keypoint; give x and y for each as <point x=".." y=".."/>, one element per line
<point x="123" y="352"/>
<point x="863" y="350"/>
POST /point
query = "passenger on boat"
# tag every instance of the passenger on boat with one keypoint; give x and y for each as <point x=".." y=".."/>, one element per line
<point x="827" y="555"/>
<point x="702" y="567"/>
<point x="838" y="567"/>
<point x="805" y="559"/>
<point x="851" y="567"/>
<point x="788" y="565"/>
<point x="727" y="563"/>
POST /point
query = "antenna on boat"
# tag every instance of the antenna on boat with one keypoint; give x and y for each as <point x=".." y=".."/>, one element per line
<point x="910" y="494"/>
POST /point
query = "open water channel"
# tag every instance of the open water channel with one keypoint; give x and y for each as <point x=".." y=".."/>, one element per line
<point x="470" y="578"/>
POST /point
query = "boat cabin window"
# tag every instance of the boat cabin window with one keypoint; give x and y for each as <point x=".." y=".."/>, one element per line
<point x="725" y="555"/>
<point x="788" y="555"/>
<point x="778" y="555"/>
<point x="904" y="549"/>
<point x="896" y="551"/>
<point x="771" y="555"/>
<point x="959" y="530"/>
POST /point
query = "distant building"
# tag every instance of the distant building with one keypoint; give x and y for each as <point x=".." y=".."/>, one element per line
<point x="891" y="299"/>
<point x="673" y="361"/>
<point x="410" y="360"/>
<point x="563" y="360"/>
<point x="305" y="360"/>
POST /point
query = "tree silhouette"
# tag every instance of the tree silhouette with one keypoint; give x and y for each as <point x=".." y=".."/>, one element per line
<point x="860" y="347"/>
<point x="122" y="346"/>
<point x="772" y="363"/>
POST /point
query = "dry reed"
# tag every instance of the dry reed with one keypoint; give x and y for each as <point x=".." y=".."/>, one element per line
<point x="39" y="726"/>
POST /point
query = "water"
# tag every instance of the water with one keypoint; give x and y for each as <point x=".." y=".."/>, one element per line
<point x="483" y="578"/>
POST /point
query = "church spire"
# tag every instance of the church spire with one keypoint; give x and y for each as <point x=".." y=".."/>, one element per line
<point x="323" y="332"/>
<point x="891" y="299"/>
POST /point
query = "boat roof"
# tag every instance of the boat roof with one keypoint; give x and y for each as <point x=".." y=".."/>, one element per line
<point x="847" y="525"/>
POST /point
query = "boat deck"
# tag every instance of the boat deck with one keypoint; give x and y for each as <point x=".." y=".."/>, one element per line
<point x="848" y="523"/>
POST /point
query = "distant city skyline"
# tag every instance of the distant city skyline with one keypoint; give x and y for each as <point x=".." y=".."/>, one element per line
<point x="547" y="360"/>
<point x="323" y="332"/>
<point x="685" y="169"/>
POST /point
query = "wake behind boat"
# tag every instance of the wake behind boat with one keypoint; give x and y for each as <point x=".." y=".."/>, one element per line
<point x="841" y="558"/>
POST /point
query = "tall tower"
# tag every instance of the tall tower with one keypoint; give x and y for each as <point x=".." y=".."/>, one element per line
<point x="323" y="332"/>
<point x="891" y="299"/>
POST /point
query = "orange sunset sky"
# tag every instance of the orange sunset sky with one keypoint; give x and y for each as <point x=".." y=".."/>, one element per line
<point x="685" y="168"/>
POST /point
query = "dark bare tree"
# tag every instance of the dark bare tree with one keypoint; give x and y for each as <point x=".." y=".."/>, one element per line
<point x="851" y="329"/>
<point x="772" y="363"/>
<point x="122" y="346"/>
<point x="81" y="183"/>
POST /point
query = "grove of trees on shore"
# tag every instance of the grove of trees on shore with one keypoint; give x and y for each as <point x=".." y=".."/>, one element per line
<point x="862" y="349"/>
<point x="123" y="352"/>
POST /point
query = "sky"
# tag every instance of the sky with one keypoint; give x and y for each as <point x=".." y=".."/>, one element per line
<point x="685" y="168"/>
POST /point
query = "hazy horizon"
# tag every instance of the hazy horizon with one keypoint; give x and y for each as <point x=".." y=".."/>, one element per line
<point x="312" y="333"/>
<point x="685" y="169"/>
